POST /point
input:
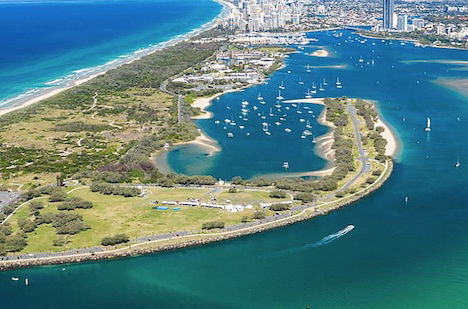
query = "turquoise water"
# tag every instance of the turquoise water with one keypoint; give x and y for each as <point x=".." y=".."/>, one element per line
<point x="44" y="41"/>
<point x="399" y="255"/>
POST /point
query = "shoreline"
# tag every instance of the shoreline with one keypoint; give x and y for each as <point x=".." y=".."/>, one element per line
<point x="184" y="241"/>
<point x="416" y="42"/>
<point x="36" y="95"/>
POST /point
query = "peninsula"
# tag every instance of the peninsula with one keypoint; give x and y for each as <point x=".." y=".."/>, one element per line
<point x="89" y="189"/>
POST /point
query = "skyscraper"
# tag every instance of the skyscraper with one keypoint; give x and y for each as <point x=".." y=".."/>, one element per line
<point x="387" y="14"/>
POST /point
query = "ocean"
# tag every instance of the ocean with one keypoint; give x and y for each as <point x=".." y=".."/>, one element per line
<point x="400" y="254"/>
<point x="50" y="43"/>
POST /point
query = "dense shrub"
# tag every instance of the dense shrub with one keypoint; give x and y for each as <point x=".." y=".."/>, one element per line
<point x="73" y="203"/>
<point x="213" y="225"/>
<point x="108" y="189"/>
<point x="304" y="197"/>
<point x="279" y="207"/>
<point x="278" y="194"/>
<point x="57" y="195"/>
<point x="114" y="240"/>
<point x="35" y="206"/>
<point x="27" y="225"/>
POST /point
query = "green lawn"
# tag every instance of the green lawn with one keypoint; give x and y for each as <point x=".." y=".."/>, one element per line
<point x="136" y="217"/>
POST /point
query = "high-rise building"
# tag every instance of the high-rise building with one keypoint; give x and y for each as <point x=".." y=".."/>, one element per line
<point x="388" y="14"/>
<point x="402" y="23"/>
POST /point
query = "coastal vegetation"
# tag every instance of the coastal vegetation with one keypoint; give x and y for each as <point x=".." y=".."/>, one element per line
<point x="419" y="36"/>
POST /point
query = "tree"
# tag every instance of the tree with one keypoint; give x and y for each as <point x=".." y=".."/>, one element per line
<point x="60" y="178"/>
<point x="305" y="197"/>
<point x="259" y="214"/>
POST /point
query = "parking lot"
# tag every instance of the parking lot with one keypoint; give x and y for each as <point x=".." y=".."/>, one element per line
<point x="7" y="198"/>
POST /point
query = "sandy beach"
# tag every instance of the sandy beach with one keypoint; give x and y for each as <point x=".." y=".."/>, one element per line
<point x="392" y="144"/>
<point x="309" y="101"/>
<point x="320" y="53"/>
<point x="27" y="99"/>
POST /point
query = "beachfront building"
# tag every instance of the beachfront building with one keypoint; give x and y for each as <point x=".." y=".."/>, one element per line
<point x="264" y="15"/>
<point x="402" y="23"/>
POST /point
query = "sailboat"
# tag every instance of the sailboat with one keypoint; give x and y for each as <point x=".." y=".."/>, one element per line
<point x="308" y="124"/>
<point x="281" y="86"/>
<point x="324" y="82"/>
<point x="308" y="95"/>
<point x="313" y="86"/>
<point x="338" y="83"/>
<point x="259" y="97"/>
<point x="308" y="68"/>
<point x="428" y="125"/>
<point x="279" y="97"/>
<point x="321" y="87"/>
<point x="286" y="165"/>
<point x="301" y="82"/>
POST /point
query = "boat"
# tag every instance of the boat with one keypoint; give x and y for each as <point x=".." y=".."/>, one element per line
<point x="227" y="120"/>
<point x="278" y="123"/>
<point x="287" y="130"/>
<point x="26" y="281"/>
<point x="255" y="108"/>
<point x="321" y="87"/>
<point x="241" y="127"/>
<point x="271" y="113"/>
<point x="303" y="136"/>
<point x="279" y="97"/>
<point x="230" y="134"/>
<point x="308" y="126"/>
<point x="14" y="278"/>
<point x="361" y="60"/>
<point x="267" y="133"/>
<point x="301" y="120"/>
<point x="306" y="133"/>
<point x="281" y="86"/>
<point x="457" y="164"/>
<point x="259" y="97"/>
<point x="286" y="165"/>
<point x="308" y="95"/>
<point x="216" y="121"/>
<point x="313" y="86"/>
<point x="428" y="125"/>
<point x="262" y="102"/>
<point x="301" y="82"/>
<point x="338" y="83"/>
<point x="308" y="68"/>
<point x="324" y="82"/>
<point x="244" y="103"/>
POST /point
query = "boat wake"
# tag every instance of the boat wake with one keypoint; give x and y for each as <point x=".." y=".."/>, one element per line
<point x="324" y="241"/>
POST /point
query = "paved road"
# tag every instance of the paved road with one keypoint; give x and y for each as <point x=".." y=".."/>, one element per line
<point x="363" y="158"/>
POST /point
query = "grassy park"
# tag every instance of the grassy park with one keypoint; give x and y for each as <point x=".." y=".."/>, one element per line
<point x="136" y="216"/>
